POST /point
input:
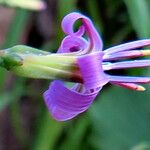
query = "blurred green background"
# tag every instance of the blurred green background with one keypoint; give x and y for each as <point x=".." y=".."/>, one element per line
<point x="119" y="119"/>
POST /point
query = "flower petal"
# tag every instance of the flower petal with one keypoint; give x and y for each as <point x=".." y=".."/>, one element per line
<point x="68" y="23"/>
<point x="64" y="103"/>
<point x="91" y="69"/>
<point x="71" y="44"/>
<point x="129" y="79"/>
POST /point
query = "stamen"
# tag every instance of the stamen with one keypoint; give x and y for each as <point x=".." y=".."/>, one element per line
<point x="128" y="46"/>
<point x="127" y="64"/>
<point x="128" y="79"/>
<point x="131" y="86"/>
<point x="126" y="54"/>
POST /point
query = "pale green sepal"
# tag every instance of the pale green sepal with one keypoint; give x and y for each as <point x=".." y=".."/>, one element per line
<point x="34" y="63"/>
<point x="10" y="60"/>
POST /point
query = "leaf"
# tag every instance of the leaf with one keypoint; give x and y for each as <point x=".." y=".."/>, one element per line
<point x="139" y="12"/>
<point x="94" y="13"/>
<point x="121" y="119"/>
<point x="12" y="95"/>
<point x="47" y="133"/>
<point x="76" y="134"/>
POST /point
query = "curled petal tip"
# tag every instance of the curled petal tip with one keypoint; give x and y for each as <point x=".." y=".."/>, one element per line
<point x="68" y="28"/>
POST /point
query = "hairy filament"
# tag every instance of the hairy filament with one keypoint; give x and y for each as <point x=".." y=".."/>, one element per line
<point x="128" y="46"/>
<point x="126" y="55"/>
<point x="129" y="79"/>
<point x="131" y="86"/>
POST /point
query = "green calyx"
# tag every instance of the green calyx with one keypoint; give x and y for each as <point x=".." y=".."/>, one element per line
<point x="33" y="63"/>
<point x="9" y="60"/>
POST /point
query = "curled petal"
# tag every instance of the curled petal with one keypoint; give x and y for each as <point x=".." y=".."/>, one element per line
<point x="68" y="23"/>
<point x="73" y="44"/>
<point x="128" y="46"/>
<point x="64" y="103"/>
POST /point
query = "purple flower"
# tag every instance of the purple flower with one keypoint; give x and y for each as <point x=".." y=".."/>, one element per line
<point x="86" y="44"/>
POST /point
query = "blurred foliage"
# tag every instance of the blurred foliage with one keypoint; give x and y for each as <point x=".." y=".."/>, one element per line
<point x="123" y="118"/>
<point x="24" y="4"/>
<point x="139" y="12"/>
<point x="119" y="119"/>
